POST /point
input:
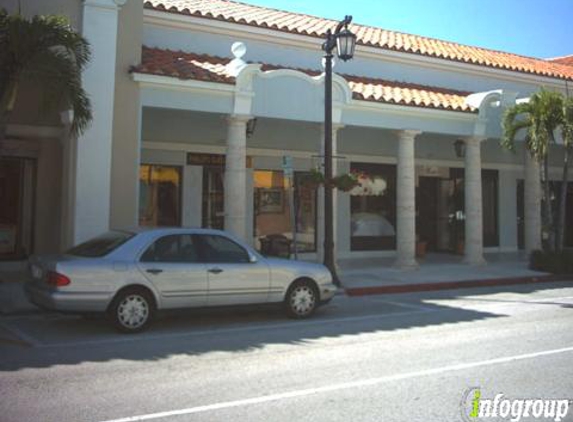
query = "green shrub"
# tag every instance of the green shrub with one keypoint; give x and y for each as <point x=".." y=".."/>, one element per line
<point x="552" y="262"/>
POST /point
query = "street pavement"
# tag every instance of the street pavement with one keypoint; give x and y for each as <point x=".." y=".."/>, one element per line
<point x="403" y="357"/>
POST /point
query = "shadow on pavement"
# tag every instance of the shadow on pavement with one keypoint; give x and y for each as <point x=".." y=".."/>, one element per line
<point x="64" y="340"/>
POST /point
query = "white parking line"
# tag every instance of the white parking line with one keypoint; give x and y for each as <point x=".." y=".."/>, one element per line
<point x="291" y="324"/>
<point x="401" y="304"/>
<point x="340" y="386"/>
<point x="22" y="335"/>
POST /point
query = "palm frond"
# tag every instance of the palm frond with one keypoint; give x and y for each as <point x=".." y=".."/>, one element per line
<point x="47" y="51"/>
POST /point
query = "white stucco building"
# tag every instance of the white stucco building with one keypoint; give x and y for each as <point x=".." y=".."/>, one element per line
<point x="172" y="141"/>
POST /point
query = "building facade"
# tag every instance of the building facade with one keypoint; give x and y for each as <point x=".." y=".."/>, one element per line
<point x="211" y="114"/>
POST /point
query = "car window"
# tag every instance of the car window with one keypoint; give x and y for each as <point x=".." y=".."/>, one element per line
<point x="172" y="248"/>
<point x="213" y="248"/>
<point x="101" y="245"/>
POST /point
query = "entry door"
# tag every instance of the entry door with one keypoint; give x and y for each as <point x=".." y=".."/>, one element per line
<point x="233" y="279"/>
<point x="213" y="198"/>
<point x="17" y="177"/>
<point x="172" y="265"/>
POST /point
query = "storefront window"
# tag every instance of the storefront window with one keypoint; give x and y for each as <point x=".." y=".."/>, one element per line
<point x="273" y="211"/>
<point x="159" y="195"/>
<point x="373" y="217"/>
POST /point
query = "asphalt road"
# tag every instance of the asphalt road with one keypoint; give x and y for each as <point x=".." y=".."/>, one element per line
<point x="409" y="357"/>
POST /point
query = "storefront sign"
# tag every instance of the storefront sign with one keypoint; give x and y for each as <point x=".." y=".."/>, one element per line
<point x="216" y="160"/>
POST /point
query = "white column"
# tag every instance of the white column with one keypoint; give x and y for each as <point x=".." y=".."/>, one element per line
<point x="406" y="202"/>
<point x="335" y="193"/>
<point x="473" y="203"/>
<point x="91" y="211"/>
<point x="236" y="177"/>
<point x="532" y="204"/>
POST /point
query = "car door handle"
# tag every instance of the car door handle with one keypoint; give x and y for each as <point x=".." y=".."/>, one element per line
<point x="154" y="271"/>
<point x="215" y="270"/>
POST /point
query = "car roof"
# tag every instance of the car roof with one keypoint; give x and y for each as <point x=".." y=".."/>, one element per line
<point x="172" y="229"/>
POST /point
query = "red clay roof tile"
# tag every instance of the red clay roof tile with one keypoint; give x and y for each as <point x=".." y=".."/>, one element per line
<point x="241" y="13"/>
<point x="202" y="67"/>
<point x="566" y="60"/>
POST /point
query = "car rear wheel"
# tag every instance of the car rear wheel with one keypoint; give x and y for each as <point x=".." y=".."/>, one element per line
<point x="132" y="310"/>
<point x="301" y="299"/>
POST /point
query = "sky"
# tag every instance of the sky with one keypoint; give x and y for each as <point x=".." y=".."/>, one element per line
<point x="535" y="28"/>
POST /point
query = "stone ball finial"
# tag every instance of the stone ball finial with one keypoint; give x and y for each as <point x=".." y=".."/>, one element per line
<point x="238" y="49"/>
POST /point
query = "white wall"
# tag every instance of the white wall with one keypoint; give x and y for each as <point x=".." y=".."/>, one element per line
<point x="266" y="50"/>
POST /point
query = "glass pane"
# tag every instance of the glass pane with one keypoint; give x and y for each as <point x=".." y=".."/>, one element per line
<point x="173" y="248"/>
<point x="159" y="195"/>
<point x="373" y="217"/>
<point x="273" y="213"/>
<point x="101" y="245"/>
<point x="213" y="198"/>
<point x="220" y="249"/>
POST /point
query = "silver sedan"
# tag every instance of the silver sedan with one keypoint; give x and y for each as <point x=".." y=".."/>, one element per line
<point x="130" y="274"/>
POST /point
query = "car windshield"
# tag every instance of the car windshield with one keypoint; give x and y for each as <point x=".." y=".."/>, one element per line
<point x="101" y="245"/>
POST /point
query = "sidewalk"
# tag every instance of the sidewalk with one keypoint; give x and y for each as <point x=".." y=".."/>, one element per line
<point x="436" y="272"/>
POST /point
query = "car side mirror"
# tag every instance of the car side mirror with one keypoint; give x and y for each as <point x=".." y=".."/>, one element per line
<point x="252" y="258"/>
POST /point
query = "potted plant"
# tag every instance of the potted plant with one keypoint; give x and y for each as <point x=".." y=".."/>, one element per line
<point x="421" y="247"/>
<point x="345" y="182"/>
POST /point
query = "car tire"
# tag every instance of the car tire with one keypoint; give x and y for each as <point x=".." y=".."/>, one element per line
<point x="301" y="299"/>
<point x="132" y="310"/>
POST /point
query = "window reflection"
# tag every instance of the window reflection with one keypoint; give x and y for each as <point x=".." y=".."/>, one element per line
<point x="272" y="209"/>
<point x="159" y="195"/>
<point x="373" y="217"/>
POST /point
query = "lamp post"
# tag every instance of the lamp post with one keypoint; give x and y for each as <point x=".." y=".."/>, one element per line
<point x="345" y="42"/>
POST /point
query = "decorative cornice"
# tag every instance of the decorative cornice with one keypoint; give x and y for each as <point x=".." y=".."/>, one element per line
<point x="105" y="4"/>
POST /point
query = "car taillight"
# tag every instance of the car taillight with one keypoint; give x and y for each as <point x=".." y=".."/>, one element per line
<point x="57" y="280"/>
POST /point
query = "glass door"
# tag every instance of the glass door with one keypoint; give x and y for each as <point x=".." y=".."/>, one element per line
<point x="213" y="198"/>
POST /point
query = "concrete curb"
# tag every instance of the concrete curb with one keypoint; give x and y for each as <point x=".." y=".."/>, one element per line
<point x="452" y="285"/>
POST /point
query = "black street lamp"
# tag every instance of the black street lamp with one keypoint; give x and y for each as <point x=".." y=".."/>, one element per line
<point x="345" y="42"/>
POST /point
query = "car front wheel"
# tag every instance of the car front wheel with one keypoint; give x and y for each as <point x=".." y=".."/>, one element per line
<point x="132" y="310"/>
<point x="301" y="299"/>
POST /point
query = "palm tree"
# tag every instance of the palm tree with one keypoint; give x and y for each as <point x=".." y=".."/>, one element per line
<point x="47" y="52"/>
<point x="567" y="134"/>
<point x="539" y="117"/>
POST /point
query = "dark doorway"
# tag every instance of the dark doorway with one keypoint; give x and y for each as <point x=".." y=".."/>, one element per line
<point x="17" y="193"/>
<point x="441" y="211"/>
<point x="213" y="197"/>
<point x="440" y="219"/>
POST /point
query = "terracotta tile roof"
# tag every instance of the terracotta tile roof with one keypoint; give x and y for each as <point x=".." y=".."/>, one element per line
<point x="240" y="13"/>
<point x="182" y="65"/>
<point x="407" y="94"/>
<point x="566" y="60"/>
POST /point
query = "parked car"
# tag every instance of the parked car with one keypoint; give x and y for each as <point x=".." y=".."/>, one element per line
<point x="131" y="274"/>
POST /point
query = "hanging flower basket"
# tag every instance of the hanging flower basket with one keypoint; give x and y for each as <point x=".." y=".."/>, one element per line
<point x="369" y="185"/>
<point x="312" y="179"/>
<point x="355" y="183"/>
<point x="345" y="182"/>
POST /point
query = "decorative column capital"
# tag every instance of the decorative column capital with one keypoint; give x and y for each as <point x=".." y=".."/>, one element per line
<point x="235" y="119"/>
<point x="408" y="134"/>
<point x="473" y="140"/>
<point x="335" y="127"/>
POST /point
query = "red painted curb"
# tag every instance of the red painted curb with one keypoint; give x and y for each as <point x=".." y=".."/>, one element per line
<point x="450" y="285"/>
